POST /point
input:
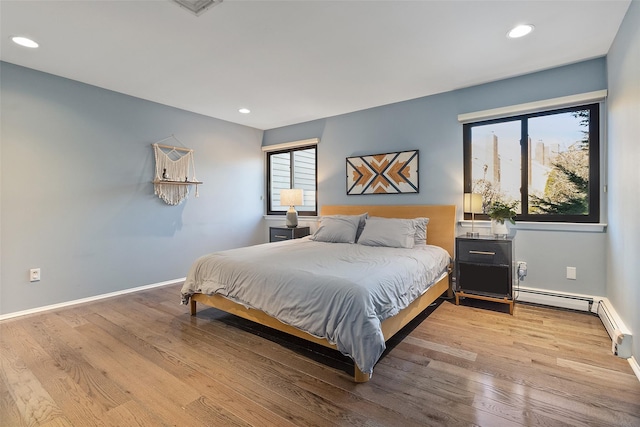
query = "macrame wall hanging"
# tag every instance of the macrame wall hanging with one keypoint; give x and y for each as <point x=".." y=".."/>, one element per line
<point x="174" y="167"/>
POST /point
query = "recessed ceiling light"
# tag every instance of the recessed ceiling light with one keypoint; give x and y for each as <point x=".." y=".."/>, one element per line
<point x="197" y="6"/>
<point x="23" y="41"/>
<point x="244" y="111"/>
<point x="520" y="31"/>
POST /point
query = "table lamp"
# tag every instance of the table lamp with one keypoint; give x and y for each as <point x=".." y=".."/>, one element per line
<point x="291" y="197"/>
<point x="473" y="205"/>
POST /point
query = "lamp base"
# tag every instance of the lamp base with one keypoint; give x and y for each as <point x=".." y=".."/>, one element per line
<point x="473" y="234"/>
<point x="292" y="218"/>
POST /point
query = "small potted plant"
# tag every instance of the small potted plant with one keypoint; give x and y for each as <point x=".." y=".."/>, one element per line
<point x="500" y="211"/>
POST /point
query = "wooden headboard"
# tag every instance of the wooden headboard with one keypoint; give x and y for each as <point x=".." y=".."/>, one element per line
<point x="442" y="218"/>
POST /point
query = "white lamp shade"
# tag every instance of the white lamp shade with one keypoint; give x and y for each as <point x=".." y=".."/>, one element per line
<point x="472" y="203"/>
<point x="291" y="197"/>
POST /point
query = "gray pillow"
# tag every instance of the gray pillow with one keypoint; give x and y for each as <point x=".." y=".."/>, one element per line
<point x="389" y="232"/>
<point x="337" y="229"/>
<point x="420" y="238"/>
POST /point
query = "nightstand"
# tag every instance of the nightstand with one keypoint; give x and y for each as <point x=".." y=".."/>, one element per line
<point x="277" y="234"/>
<point x="484" y="269"/>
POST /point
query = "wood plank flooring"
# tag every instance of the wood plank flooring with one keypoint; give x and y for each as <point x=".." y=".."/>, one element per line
<point x="142" y="360"/>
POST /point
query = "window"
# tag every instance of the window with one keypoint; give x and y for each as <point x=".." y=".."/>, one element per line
<point x="292" y="168"/>
<point x="547" y="162"/>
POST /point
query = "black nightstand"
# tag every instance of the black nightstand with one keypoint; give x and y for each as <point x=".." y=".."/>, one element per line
<point x="277" y="234"/>
<point x="484" y="269"/>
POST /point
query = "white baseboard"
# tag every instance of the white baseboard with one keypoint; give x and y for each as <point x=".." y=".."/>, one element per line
<point x="89" y="299"/>
<point x="634" y="365"/>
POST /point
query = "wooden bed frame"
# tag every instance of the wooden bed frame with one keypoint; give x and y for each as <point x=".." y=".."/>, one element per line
<point x="440" y="232"/>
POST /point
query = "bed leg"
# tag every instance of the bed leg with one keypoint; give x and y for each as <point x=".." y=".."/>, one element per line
<point x="359" y="376"/>
<point x="192" y="307"/>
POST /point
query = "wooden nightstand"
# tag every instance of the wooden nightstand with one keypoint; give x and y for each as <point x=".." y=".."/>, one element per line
<point x="277" y="234"/>
<point x="484" y="269"/>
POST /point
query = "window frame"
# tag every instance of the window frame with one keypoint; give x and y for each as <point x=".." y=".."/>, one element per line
<point x="594" y="162"/>
<point x="291" y="151"/>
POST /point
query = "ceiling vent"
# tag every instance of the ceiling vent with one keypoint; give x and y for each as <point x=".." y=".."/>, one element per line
<point x="196" y="6"/>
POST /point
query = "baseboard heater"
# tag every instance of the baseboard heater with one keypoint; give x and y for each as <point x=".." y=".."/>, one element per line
<point x="555" y="299"/>
<point x="620" y="336"/>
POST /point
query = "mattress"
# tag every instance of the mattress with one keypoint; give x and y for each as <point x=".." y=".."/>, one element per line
<point x="337" y="291"/>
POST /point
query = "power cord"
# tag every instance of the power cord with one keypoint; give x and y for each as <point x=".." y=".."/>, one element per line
<point x="522" y="273"/>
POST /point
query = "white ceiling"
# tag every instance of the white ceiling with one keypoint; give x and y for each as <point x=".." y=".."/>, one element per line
<point x="294" y="61"/>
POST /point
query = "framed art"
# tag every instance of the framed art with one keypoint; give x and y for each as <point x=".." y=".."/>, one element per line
<point x="388" y="173"/>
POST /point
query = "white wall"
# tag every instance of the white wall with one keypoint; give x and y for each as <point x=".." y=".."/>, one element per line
<point x="623" y="237"/>
<point x="77" y="199"/>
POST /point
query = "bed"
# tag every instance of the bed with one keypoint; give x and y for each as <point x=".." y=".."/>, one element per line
<point x="264" y="283"/>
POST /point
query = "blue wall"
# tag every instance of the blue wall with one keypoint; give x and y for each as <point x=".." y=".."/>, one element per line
<point x="76" y="194"/>
<point x="77" y="200"/>
<point x="430" y="124"/>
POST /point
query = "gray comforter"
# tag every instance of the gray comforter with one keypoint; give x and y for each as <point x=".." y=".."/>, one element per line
<point x="336" y="291"/>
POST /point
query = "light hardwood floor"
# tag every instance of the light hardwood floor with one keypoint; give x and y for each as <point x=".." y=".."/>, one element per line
<point x="141" y="359"/>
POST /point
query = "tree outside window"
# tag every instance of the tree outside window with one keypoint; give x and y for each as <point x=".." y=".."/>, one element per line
<point x="547" y="162"/>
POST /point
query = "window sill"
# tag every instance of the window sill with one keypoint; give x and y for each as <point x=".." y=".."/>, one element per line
<point x="542" y="226"/>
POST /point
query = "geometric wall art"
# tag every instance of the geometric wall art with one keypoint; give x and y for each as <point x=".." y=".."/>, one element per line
<point x="389" y="173"/>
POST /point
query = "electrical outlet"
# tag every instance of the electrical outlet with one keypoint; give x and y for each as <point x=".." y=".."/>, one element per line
<point x="34" y="275"/>
<point x="571" y="273"/>
<point x="522" y="269"/>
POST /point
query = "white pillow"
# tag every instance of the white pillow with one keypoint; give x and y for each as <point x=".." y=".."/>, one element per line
<point x="420" y="238"/>
<point x="389" y="232"/>
<point x="337" y="229"/>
